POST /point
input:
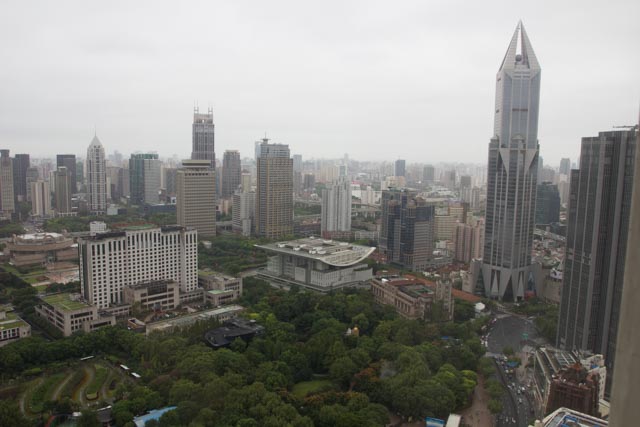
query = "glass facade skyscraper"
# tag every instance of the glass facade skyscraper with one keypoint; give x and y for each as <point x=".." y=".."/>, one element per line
<point x="506" y="271"/>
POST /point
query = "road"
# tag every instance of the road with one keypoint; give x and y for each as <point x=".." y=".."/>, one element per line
<point x="516" y="332"/>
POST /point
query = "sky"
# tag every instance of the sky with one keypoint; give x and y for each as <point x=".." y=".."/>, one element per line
<point x="378" y="80"/>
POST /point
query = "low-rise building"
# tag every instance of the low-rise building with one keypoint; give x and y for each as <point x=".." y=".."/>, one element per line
<point x="317" y="264"/>
<point x="214" y="280"/>
<point x="413" y="299"/>
<point x="155" y="295"/>
<point x="12" y="327"/>
<point x="70" y="313"/>
<point x="571" y="379"/>
<point x="221" y="314"/>
<point x="231" y="330"/>
<point x="41" y="249"/>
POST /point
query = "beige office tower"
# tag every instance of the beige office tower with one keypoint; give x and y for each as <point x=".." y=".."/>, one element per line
<point x="63" y="190"/>
<point x="245" y="182"/>
<point x="196" y="196"/>
<point x="274" y="193"/>
<point x="40" y="198"/>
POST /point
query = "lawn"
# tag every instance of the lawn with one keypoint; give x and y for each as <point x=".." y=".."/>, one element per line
<point x="101" y="375"/>
<point x="44" y="391"/>
<point x="304" y="388"/>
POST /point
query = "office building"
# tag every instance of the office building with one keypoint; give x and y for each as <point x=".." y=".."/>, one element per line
<point x="136" y="254"/>
<point x="243" y="213"/>
<point x="274" y="192"/>
<point x="21" y="163"/>
<point x="465" y="182"/>
<point x="96" y="178"/>
<point x="153" y="295"/>
<point x="506" y="271"/>
<point x="70" y="313"/>
<point x="336" y="209"/>
<point x="297" y="163"/>
<point x="196" y="196"/>
<point x="407" y="231"/>
<point x="203" y="137"/>
<point x="400" y="168"/>
<point x="231" y="171"/>
<point x="597" y="234"/>
<point x="41" y="199"/>
<point x="7" y="199"/>
<point x="69" y="161"/>
<point x="625" y="380"/>
<point x="33" y="174"/>
<point x="62" y="180"/>
<point x="565" y="166"/>
<point x="428" y="174"/>
<point x="144" y="179"/>
<point x="316" y="264"/>
<point x="219" y="289"/>
<point x="12" y="327"/>
<point x="170" y="178"/>
<point x="547" y="204"/>
<point x="469" y="241"/>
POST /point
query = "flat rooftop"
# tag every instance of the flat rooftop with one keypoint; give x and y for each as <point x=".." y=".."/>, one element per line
<point x="64" y="302"/>
<point x="337" y="254"/>
<point x="215" y="274"/>
<point x="11" y="321"/>
<point x="568" y="417"/>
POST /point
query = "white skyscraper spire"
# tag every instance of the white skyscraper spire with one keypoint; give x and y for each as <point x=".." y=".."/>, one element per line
<point x="506" y="271"/>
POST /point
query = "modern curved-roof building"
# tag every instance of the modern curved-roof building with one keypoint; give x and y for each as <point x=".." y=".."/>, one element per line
<point x="317" y="264"/>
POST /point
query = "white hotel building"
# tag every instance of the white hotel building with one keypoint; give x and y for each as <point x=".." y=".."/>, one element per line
<point x="136" y="254"/>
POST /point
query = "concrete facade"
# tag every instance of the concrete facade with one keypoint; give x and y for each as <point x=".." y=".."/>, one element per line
<point x="196" y="196"/>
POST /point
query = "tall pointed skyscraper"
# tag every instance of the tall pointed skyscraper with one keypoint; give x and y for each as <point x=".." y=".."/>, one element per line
<point x="506" y="271"/>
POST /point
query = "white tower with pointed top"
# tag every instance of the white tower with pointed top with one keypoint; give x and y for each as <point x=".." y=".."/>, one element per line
<point x="96" y="178"/>
<point x="506" y="271"/>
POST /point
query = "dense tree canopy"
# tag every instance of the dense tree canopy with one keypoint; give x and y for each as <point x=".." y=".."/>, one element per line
<point x="409" y="367"/>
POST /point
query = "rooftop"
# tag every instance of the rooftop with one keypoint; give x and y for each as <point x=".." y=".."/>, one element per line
<point x="215" y="274"/>
<point x="568" y="417"/>
<point x="65" y="301"/>
<point x="11" y="321"/>
<point x="155" y="414"/>
<point x="337" y="254"/>
<point x="235" y="328"/>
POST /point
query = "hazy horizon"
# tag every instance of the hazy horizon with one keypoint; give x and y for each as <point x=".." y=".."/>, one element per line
<point x="414" y="81"/>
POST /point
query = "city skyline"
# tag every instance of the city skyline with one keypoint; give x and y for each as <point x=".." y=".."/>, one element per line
<point x="371" y="88"/>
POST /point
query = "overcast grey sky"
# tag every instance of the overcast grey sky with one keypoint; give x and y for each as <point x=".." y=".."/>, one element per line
<point x="378" y="80"/>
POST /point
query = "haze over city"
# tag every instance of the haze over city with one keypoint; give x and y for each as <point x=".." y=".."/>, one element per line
<point x="413" y="81"/>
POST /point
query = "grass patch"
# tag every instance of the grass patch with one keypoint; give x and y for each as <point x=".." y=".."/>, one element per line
<point x="43" y="391"/>
<point x="40" y="288"/>
<point x="101" y="375"/>
<point x="304" y="388"/>
<point x="73" y="384"/>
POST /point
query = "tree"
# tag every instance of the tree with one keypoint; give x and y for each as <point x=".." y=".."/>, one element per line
<point x="342" y="370"/>
<point x="88" y="418"/>
<point x="10" y="415"/>
<point x="495" y="406"/>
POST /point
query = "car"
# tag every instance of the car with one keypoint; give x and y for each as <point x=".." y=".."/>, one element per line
<point x="520" y="400"/>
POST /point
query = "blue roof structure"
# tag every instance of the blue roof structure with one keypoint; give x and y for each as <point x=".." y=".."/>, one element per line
<point x="141" y="421"/>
